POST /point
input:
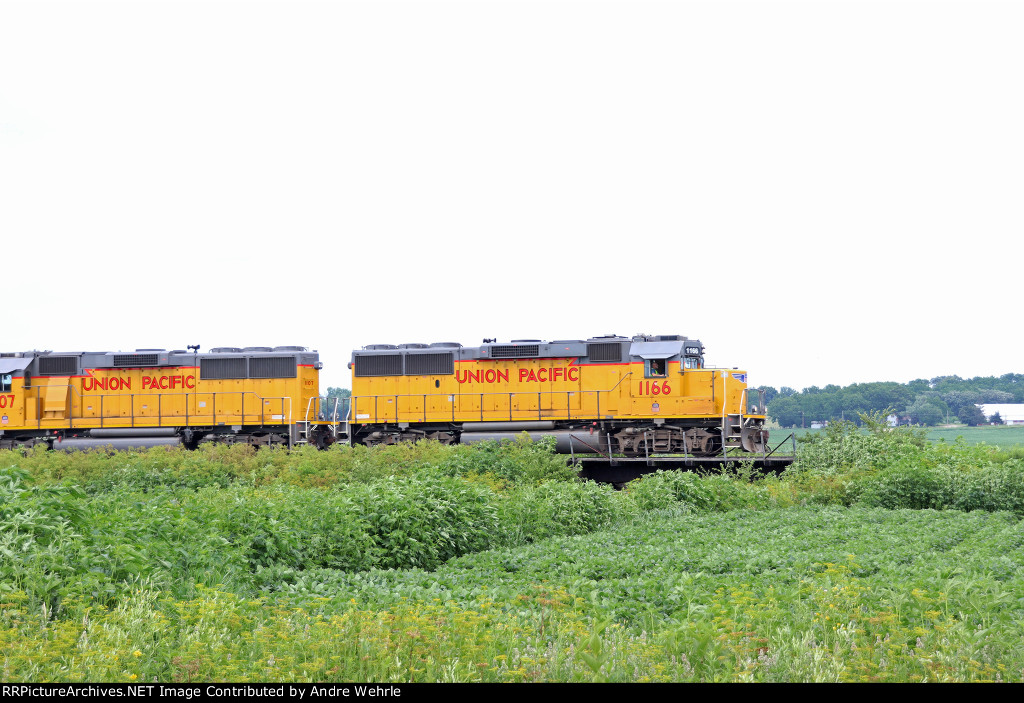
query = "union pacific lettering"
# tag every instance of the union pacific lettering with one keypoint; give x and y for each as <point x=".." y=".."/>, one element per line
<point x="541" y="375"/>
<point x="115" y="383"/>
<point x="169" y="382"/>
<point x="124" y="383"/>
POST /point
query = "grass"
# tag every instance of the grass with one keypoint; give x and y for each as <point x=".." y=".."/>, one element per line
<point x="1004" y="436"/>
<point x="879" y="556"/>
<point x="838" y="595"/>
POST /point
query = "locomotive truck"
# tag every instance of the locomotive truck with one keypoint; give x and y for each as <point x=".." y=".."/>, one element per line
<point x="607" y="395"/>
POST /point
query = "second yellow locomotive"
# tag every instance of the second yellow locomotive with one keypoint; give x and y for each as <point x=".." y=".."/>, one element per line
<point x="255" y="395"/>
<point x="611" y="394"/>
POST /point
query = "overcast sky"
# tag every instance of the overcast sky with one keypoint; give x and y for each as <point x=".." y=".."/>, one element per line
<point x="822" y="192"/>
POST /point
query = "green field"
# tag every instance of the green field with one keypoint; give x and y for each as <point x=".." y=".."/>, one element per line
<point x="876" y="557"/>
<point x="1003" y="436"/>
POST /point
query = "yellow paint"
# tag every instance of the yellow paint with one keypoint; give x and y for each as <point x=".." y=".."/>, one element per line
<point x="502" y="390"/>
<point x="156" y="397"/>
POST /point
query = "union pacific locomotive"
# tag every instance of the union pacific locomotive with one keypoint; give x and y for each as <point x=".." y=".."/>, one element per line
<point x="609" y="395"/>
<point x="254" y="395"/>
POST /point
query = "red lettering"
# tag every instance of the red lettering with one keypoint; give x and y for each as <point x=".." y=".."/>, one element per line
<point x="542" y="375"/>
<point x="557" y="373"/>
<point x="574" y="373"/>
<point x="126" y="383"/>
<point x="532" y="376"/>
<point x="193" y="382"/>
<point x="175" y="380"/>
<point x="145" y="382"/>
<point x="163" y="382"/>
<point x="478" y="376"/>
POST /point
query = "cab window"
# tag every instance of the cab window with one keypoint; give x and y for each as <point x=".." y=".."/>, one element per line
<point x="657" y="368"/>
<point x="5" y="382"/>
<point x="691" y="362"/>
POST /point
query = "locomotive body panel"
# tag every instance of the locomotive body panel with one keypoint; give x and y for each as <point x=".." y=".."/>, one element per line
<point x="635" y="395"/>
<point x="559" y="389"/>
<point x="72" y="394"/>
<point x="627" y="386"/>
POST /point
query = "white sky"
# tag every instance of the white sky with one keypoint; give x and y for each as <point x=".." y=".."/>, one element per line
<point x="822" y="192"/>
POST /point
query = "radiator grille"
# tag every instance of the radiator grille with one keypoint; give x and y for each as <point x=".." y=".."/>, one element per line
<point x="604" y="351"/>
<point x="272" y="367"/>
<point x="215" y="369"/>
<point x="378" y="365"/>
<point x="58" y="365"/>
<point x="516" y="351"/>
<point x="429" y="364"/>
<point x="127" y="360"/>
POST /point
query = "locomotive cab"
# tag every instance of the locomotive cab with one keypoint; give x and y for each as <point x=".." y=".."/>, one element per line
<point x="12" y="383"/>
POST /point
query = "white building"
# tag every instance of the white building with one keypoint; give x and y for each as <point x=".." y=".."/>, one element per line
<point x="1011" y="413"/>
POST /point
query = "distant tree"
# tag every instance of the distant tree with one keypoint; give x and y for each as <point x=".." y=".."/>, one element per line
<point x="927" y="409"/>
<point x="971" y="415"/>
<point x="880" y="396"/>
<point x="996" y="419"/>
<point x="853" y="404"/>
<point x="961" y="400"/>
<point x="919" y="385"/>
<point x="933" y="401"/>
<point x="946" y="383"/>
<point x="991" y="395"/>
<point x="785" y="410"/>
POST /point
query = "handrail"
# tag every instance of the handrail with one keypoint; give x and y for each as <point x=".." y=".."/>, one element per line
<point x="83" y="421"/>
<point x="791" y="434"/>
<point x="458" y="399"/>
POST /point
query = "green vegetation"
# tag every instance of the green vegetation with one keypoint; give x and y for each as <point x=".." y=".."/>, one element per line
<point x="943" y="399"/>
<point x="1005" y="437"/>
<point x="878" y="556"/>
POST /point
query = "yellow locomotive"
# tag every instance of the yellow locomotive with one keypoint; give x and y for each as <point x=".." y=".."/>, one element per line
<point x="255" y="395"/>
<point x="611" y="394"/>
<point x="607" y="395"/>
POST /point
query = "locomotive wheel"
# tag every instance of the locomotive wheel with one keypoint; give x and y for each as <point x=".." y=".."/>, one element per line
<point x="709" y="445"/>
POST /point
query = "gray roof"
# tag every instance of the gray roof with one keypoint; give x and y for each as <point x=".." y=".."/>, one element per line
<point x="655" y="350"/>
<point x="7" y="365"/>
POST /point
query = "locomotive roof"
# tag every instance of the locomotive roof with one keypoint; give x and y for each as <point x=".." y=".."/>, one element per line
<point x="608" y="348"/>
<point x="70" y="362"/>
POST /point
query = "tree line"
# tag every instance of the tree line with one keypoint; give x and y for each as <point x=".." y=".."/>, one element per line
<point x="924" y="402"/>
